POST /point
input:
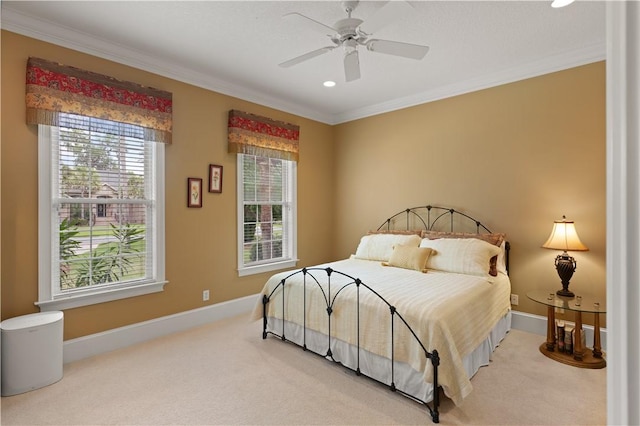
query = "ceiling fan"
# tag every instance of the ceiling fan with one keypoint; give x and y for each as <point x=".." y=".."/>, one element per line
<point x="350" y="32"/>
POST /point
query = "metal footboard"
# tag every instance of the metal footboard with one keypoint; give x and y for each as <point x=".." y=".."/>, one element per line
<point x="310" y="278"/>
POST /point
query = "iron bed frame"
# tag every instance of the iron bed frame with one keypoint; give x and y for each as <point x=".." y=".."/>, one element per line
<point x="411" y="217"/>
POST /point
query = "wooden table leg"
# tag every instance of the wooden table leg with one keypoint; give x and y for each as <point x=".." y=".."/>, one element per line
<point x="551" y="328"/>
<point x="578" y="350"/>
<point x="597" y="349"/>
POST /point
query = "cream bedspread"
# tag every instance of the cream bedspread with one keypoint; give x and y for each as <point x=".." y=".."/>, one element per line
<point x="452" y="313"/>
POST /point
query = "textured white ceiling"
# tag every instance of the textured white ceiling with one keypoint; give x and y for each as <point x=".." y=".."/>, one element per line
<point x="234" y="47"/>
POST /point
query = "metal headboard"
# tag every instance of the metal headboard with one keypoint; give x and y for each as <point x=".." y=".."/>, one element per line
<point x="432" y="218"/>
<point x="437" y="218"/>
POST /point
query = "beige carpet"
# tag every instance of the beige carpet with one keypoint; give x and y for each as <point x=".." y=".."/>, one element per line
<point x="224" y="373"/>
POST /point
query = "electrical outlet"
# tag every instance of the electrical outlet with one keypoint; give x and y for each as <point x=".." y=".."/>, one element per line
<point x="514" y="299"/>
<point x="205" y="295"/>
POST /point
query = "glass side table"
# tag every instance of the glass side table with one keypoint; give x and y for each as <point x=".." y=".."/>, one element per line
<point x="581" y="357"/>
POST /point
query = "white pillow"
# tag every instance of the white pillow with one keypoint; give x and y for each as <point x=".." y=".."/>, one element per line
<point x="380" y="246"/>
<point x="461" y="255"/>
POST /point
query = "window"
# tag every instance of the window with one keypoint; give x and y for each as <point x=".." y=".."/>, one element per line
<point x="266" y="214"/>
<point x="93" y="250"/>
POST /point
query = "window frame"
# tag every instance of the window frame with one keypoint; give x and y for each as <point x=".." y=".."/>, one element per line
<point x="291" y="197"/>
<point x="48" y="300"/>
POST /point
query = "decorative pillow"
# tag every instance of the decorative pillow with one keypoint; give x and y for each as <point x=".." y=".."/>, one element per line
<point x="462" y="255"/>
<point x="409" y="257"/>
<point x="380" y="246"/>
<point x="501" y="265"/>
<point x="495" y="239"/>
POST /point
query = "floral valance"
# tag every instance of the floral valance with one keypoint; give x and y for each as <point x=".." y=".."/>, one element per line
<point x="54" y="88"/>
<point x="252" y="134"/>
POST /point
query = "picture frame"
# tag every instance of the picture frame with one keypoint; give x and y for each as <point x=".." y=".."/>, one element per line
<point x="194" y="192"/>
<point x="215" y="178"/>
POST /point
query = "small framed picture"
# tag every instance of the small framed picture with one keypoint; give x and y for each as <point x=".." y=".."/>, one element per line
<point x="194" y="192"/>
<point x="215" y="178"/>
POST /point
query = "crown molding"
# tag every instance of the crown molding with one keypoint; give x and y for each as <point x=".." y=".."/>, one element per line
<point x="66" y="37"/>
<point x="547" y="65"/>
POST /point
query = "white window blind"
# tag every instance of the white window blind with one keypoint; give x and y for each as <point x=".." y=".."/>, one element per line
<point x="106" y="216"/>
<point x="266" y="213"/>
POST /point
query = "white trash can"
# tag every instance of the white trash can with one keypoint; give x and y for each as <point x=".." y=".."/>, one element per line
<point x="31" y="351"/>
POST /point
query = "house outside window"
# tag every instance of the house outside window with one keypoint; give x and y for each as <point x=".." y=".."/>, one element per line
<point x="266" y="214"/>
<point x="92" y="251"/>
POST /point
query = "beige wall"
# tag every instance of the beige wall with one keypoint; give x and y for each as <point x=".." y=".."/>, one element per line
<point x="200" y="243"/>
<point x="516" y="156"/>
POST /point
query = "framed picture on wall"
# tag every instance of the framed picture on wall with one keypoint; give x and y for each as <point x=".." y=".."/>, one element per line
<point x="194" y="192"/>
<point x="215" y="178"/>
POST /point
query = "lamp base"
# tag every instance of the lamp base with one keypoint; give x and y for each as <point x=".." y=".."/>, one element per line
<point x="565" y="266"/>
<point x="565" y="293"/>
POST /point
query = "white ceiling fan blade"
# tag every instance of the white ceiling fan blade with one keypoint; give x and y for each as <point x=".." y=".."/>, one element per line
<point x="351" y="66"/>
<point x="306" y="56"/>
<point x="311" y="23"/>
<point x="390" y="12"/>
<point x="407" y="50"/>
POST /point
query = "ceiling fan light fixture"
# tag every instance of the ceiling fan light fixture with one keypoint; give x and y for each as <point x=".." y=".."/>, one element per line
<point x="349" y="46"/>
<point x="350" y="32"/>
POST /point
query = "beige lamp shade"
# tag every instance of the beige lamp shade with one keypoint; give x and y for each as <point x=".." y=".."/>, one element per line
<point x="564" y="237"/>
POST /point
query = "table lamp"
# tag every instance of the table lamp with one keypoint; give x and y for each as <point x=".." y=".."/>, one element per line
<point x="564" y="237"/>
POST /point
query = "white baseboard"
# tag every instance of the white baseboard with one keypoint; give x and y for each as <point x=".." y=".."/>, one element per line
<point x="538" y="325"/>
<point x="94" y="344"/>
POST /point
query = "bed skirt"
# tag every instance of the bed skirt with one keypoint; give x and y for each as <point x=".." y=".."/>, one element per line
<point x="375" y="366"/>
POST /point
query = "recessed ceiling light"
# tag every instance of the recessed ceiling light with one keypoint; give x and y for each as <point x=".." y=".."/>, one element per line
<point x="329" y="83"/>
<point x="561" y="3"/>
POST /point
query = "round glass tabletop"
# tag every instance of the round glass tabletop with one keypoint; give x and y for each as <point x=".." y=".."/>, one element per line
<point x="581" y="303"/>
